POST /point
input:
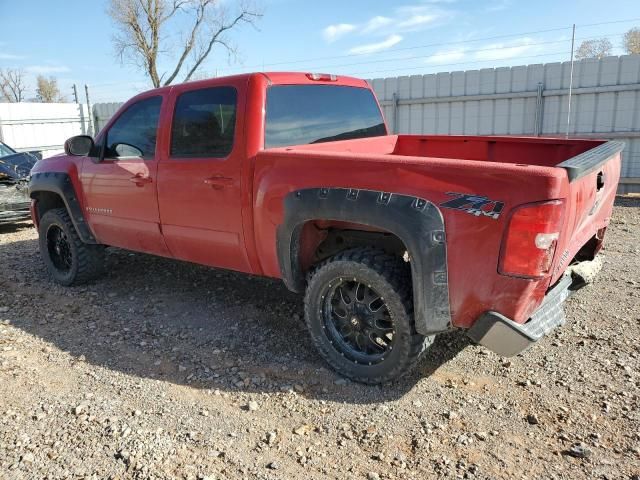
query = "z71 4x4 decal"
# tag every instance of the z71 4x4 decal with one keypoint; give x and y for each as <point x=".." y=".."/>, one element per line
<point x="474" y="204"/>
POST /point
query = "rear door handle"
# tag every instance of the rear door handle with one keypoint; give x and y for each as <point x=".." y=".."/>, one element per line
<point x="140" y="179"/>
<point x="218" y="181"/>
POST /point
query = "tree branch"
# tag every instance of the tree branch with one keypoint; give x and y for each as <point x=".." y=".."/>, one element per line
<point x="143" y="26"/>
<point x="177" y="5"/>
<point x="200" y="15"/>
<point x="12" y="86"/>
<point x="244" y="16"/>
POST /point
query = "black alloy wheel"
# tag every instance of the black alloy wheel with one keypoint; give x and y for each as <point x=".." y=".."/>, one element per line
<point x="357" y="319"/>
<point x="359" y="312"/>
<point x="58" y="248"/>
<point x="68" y="259"/>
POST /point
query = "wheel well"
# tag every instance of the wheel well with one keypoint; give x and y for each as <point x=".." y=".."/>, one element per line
<point x="321" y="239"/>
<point x="314" y="214"/>
<point x="47" y="201"/>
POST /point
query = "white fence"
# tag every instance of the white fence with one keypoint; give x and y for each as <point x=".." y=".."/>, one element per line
<point x="102" y="112"/>
<point x="524" y="100"/>
<point x="45" y="126"/>
<point x="42" y="126"/>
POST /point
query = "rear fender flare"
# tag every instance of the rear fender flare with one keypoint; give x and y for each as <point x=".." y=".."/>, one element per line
<point x="417" y="222"/>
<point x="60" y="184"/>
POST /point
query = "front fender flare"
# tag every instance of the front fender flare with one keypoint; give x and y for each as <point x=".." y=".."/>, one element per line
<point x="60" y="184"/>
<point x="416" y="221"/>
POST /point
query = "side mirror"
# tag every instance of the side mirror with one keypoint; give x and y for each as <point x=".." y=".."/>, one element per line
<point x="80" y="145"/>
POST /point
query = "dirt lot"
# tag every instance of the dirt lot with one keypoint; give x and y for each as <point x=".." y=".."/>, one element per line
<point x="164" y="369"/>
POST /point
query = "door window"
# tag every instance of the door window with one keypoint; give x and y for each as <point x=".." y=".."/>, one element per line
<point x="204" y="123"/>
<point x="134" y="133"/>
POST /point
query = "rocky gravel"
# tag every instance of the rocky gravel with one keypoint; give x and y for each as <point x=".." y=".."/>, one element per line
<point x="164" y="369"/>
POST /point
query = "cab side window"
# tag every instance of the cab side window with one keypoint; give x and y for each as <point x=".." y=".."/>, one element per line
<point x="134" y="133"/>
<point x="204" y="123"/>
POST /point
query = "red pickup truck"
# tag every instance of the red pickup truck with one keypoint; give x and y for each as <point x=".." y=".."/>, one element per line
<point x="393" y="238"/>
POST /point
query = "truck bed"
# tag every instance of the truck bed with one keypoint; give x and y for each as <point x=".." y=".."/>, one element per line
<point x="520" y="151"/>
<point x="514" y="171"/>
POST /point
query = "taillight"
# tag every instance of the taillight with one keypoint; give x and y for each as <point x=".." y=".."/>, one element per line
<point x="322" y="77"/>
<point x="531" y="238"/>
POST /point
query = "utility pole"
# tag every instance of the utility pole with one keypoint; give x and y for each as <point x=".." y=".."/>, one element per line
<point x="573" y="40"/>
<point x="89" y="113"/>
<point x="75" y="99"/>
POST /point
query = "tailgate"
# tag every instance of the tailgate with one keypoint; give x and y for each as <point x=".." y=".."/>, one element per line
<point x="593" y="182"/>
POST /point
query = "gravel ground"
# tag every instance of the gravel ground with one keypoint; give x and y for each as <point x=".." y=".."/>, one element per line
<point x="164" y="369"/>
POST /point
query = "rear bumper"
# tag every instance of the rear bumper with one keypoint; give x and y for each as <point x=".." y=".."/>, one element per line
<point x="508" y="338"/>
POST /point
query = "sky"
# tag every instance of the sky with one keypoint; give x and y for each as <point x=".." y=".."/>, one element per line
<point x="71" y="40"/>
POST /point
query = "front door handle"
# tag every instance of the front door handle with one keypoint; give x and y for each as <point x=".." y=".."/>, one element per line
<point x="218" y="181"/>
<point x="139" y="179"/>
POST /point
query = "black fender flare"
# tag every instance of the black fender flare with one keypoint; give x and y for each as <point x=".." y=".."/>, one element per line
<point x="417" y="222"/>
<point x="60" y="184"/>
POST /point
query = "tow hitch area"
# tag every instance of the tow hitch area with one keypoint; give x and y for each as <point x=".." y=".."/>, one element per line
<point x="508" y="338"/>
<point x="584" y="273"/>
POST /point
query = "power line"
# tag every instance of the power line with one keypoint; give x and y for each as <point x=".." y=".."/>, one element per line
<point x="458" y="63"/>
<point x="100" y="86"/>
<point x="103" y="87"/>
<point x="439" y="44"/>
<point x="417" y="57"/>
<point x="133" y="85"/>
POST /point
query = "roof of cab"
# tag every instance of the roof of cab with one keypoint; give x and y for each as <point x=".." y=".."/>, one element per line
<point x="276" y="78"/>
<point x="282" y="78"/>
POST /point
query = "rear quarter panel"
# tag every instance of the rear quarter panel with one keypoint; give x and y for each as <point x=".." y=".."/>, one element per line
<point x="473" y="242"/>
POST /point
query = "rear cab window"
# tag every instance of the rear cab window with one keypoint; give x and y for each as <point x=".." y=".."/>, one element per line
<point x="304" y="114"/>
<point x="204" y="123"/>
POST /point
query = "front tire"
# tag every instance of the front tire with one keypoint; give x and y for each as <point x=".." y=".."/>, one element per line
<point x="68" y="260"/>
<point x="359" y="311"/>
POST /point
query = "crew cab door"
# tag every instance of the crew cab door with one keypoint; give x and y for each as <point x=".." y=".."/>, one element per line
<point x="199" y="177"/>
<point x="120" y="183"/>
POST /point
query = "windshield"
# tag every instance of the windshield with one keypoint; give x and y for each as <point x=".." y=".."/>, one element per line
<point x="5" y="150"/>
<point x="302" y="114"/>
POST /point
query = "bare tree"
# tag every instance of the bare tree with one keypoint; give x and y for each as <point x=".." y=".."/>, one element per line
<point x="47" y="90"/>
<point x="631" y="41"/>
<point x="12" y="85"/>
<point x="598" y="48"/>
<point x="148" y="29"/>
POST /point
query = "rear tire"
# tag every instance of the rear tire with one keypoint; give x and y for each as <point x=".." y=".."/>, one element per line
<point x="68" y="260"/>
<point x="359" y="312"/>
